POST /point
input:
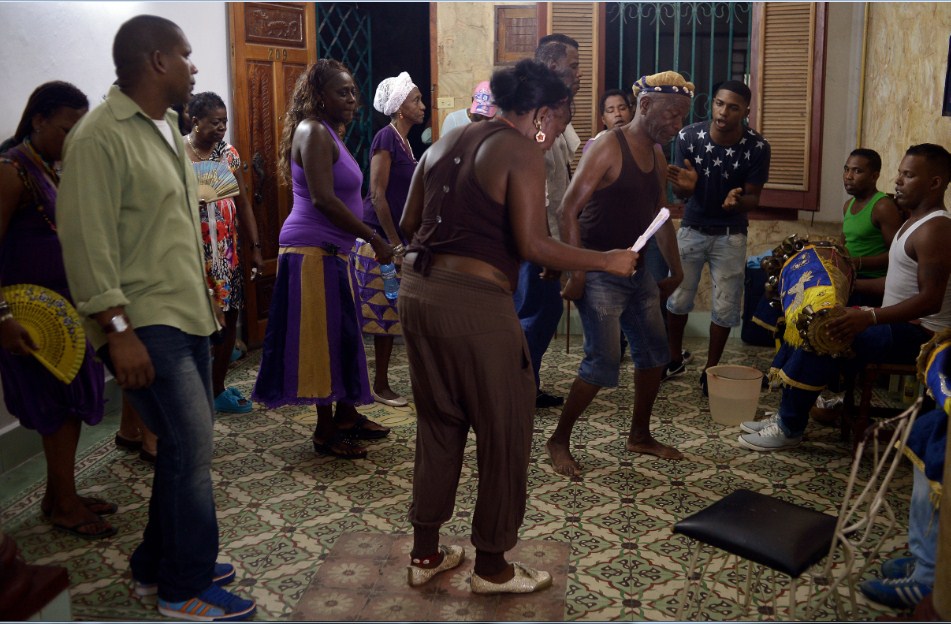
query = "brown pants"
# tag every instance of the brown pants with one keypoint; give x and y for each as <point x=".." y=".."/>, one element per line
<point x="470" y="367"/>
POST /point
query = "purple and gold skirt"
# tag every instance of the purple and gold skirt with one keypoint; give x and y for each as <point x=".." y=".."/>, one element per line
<point x="313" y="350"/>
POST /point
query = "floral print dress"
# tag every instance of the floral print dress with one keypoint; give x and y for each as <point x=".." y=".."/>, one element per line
<point x="219" y="230"/>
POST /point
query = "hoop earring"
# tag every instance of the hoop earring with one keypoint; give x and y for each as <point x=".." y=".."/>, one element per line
<point x="539" y="136"/>
<point x="400" y="113"/>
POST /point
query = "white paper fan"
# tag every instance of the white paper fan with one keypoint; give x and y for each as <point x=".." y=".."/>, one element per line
<point x="215" y="181"/>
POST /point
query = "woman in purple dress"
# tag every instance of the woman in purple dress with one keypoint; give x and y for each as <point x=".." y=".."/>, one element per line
<point x="30" y="253"/>
<point x="391" y="169"/>
<point x="313" y="351"/>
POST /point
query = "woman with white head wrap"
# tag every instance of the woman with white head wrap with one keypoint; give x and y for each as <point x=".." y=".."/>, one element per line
<point x="391" y="169"/>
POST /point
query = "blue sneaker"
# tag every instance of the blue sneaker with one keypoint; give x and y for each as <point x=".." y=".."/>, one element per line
<point x="899" y="593"/>
<point x="223" y="574"/>
<point x="212" y="605"/>
<point x="898" y="568"/>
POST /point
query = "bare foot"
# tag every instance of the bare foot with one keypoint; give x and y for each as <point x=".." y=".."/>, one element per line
<point x="561" y="459"/>
<point x="650" y="446"/>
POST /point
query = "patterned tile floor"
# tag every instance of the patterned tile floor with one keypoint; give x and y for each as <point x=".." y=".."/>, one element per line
<point x="282" y="510"/>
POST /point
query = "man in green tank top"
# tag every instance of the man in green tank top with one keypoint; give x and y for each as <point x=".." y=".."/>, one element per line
<point x="870" y="218"/>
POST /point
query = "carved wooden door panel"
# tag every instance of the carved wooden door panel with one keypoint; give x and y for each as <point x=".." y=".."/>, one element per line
<point x="272" y="44"/>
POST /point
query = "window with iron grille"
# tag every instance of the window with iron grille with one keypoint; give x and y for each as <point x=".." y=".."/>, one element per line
<point x="706" y="42"/>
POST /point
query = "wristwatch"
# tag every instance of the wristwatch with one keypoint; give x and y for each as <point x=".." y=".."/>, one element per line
<point x="117" y="324"/>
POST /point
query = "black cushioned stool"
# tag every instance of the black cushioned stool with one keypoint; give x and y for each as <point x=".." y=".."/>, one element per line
<point x="782" y="536"/>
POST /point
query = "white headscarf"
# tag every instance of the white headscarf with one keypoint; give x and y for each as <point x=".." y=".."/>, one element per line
<point x="392" y="92"/>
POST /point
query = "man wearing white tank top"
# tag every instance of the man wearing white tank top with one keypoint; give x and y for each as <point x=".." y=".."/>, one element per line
<point x="916" y="303"/>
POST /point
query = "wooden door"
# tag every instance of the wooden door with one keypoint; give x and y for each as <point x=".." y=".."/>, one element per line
<point x="272" y="44"/>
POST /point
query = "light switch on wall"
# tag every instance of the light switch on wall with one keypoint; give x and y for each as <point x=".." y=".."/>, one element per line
<point x="445" y="102"/>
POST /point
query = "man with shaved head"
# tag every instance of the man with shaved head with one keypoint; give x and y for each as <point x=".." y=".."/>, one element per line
<point x="128" y="220"/>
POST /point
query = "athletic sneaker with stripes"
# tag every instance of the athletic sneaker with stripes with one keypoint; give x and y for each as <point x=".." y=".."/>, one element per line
<point x="900" y="593"/>
<point x="223" y="574"/>
<point x="212" y="605"/>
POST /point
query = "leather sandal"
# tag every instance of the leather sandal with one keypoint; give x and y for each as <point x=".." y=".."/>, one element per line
<point x="340" y="446"/>
<point x="360" y="431"/>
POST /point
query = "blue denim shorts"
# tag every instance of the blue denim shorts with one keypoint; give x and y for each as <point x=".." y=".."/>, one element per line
<point x="614" y="304"/>
<point x="726" y="255"/>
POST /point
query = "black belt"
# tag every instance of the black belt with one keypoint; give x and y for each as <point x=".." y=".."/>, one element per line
<point x="718" y="230"/>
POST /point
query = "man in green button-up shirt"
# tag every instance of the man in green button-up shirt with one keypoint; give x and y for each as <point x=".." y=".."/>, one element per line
<point x="128" y="220"/>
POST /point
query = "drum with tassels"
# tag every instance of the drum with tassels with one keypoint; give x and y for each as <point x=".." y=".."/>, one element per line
<point x="811" y="283"/>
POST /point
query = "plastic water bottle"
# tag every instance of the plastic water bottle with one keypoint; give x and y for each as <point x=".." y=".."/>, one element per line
<point x="391" y="285"/>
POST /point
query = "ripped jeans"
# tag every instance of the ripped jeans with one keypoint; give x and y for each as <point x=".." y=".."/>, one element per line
<point x="614" y="304"/>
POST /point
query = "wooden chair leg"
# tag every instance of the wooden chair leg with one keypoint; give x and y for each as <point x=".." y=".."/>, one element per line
<point x="862" y="419"/>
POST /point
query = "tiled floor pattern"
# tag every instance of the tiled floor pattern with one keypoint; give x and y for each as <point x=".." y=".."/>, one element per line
<point x="282" y="510"/>
<point x="364" y="578"/>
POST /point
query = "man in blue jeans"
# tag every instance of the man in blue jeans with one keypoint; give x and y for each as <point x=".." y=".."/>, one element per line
<point x="916" y="303"/>
<point x="725" y="165"/>
<point x="128" y="221"/>
<point x="617" y="192"/>
<point x="538" y="294"/>
<point x="906" y="581"/>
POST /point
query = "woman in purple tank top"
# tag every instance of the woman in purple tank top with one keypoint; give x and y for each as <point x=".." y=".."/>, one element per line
<point x="30" y="253"/>
<point x="313" y="350"/>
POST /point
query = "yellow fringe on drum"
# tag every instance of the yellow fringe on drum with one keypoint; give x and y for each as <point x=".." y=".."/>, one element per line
<point x="777" y="375"/>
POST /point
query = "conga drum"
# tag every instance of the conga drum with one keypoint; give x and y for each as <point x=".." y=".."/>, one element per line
<point x="811" y="282"/>
<point x="934" y="368"/>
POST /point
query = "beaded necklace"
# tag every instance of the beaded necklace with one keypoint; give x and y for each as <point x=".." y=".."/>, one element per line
<point x="403" y="142"/>
<point x="195" y="149"/>
<point x="49" y="170"/>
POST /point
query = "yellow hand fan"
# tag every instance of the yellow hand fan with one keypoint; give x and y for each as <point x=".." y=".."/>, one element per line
<point x="215" y="181"/>
<point x="53" y="324"/>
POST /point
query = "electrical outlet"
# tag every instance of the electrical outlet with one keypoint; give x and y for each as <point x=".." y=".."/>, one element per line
<point x="445" y="102"/>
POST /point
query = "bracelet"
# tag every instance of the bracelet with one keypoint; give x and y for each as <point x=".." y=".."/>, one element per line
<point x="399" y="250"/>
<point x="4" y="307"/>
<point x="874" y="318"/>
<point x="5" y="316"/>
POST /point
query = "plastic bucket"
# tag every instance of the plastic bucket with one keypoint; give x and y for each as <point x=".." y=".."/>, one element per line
<point x="734" y="393"/>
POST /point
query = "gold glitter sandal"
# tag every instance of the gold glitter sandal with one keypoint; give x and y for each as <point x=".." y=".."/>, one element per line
<point x="452" y="556"/>
<point x="525" y="581"/>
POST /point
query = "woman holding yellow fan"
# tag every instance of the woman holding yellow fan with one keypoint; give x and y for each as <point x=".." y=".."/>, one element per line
<point x="223" y="209"/>
<point x="44" y="392"/>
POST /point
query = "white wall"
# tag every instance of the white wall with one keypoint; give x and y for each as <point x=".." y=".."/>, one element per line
<point x="72" y="41"/>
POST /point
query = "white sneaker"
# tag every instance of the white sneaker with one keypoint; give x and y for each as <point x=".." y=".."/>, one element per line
<point x="769" y="438"/>
<point x="755" y="426"/>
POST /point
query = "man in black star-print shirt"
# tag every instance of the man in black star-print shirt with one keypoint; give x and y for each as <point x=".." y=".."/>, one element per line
<point x="724" y="167"/>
